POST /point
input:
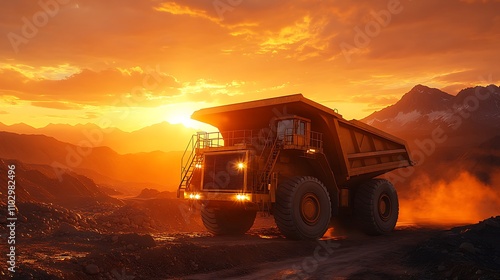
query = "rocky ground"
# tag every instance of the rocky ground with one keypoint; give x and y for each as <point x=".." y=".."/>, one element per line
<point x="466" y="252"/>
<point x="163" y="238"/>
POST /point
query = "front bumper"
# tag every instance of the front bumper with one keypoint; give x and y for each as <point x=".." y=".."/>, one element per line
<point x="225" y="196"/>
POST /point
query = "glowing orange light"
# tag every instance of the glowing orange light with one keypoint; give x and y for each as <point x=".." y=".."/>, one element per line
<point x="194" y="196"/>
<point x="242" y="197"/>
<point x="240" y="165"/>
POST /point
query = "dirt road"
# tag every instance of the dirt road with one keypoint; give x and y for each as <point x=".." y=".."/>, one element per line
<point x="58" y="244"/>
<point x="338" y="257"/>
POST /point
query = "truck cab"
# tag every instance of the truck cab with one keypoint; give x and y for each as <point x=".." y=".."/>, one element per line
<point x="239" y="165"/>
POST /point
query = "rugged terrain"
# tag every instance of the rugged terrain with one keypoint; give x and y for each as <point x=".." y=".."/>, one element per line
<point x="162" y="239"/>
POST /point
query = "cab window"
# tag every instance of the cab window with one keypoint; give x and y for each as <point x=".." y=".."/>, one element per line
<point x="300" y="128"/>
<point x="285" y="127"/>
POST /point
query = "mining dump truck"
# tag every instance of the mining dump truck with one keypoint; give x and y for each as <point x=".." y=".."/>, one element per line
<point x="295" y="159"/>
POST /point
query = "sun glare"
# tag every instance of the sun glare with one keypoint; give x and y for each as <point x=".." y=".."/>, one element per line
<point x="184" y="120"/>
<point x="180" y="113"/>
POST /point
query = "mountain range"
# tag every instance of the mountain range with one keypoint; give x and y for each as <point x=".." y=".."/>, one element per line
<point x="38" y="183"/>
<point x="158" y="137"/>
<point x="129" y="172"/>
<point x="465" y="120"/>
<point x="468" y="126"/>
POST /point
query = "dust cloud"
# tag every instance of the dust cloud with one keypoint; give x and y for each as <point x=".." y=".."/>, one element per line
<point x="464" y="199"/>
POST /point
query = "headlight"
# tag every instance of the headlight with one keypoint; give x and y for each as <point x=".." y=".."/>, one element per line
<point x="240" y="165"/>
<point x="194" y="196"/>
<point x="242" y="197"/>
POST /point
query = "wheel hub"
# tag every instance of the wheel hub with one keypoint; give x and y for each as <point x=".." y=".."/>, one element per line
<point x="384" y="207"/>
<point x="310" y="208"/>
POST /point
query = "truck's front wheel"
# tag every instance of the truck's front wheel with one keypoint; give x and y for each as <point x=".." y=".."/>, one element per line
<point x="227" y="220"/>
<point x="376" y="206"/>
<point x="302" y="208"/>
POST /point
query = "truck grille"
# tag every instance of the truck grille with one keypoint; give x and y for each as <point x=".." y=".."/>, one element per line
<point x="221" y="171"/>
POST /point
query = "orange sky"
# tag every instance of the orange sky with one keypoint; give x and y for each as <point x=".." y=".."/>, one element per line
<point x="133" y="63"/>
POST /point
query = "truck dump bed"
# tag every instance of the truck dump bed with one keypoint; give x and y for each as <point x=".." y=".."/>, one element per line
<point x="354" y="150"/>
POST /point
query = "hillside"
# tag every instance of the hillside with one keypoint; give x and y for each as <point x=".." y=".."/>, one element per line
<point x="465" y="120"/>
<point x="158" y="169"/>
<point x="159" y="137"/>
<point x="38" y="183"/>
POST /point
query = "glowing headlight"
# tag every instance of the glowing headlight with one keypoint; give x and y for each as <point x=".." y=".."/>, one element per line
<point x="194" y="196"/>
<point x="198" y="165"/>
<point x="242" y="197"/>
<point x="240" y="165"/>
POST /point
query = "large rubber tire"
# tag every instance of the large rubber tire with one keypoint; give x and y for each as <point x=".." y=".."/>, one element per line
<point x="303" y="208"/>
<point x="227" y="220"/>
<point x="376" y="207"/>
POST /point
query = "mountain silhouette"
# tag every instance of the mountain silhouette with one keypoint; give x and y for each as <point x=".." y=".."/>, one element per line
<point x="158" y="137"/>
<point x="38" y="183"/>
<point x="467" y="119"/>
<point x="136" y="171"/>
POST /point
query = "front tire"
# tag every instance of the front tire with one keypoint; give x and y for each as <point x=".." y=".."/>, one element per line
<point x="227" y="220"/>
<point x="303" y="208"/>
<point x="376" y="207"/>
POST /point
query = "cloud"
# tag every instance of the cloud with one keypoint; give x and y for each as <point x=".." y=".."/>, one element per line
<point x="55" y="105"/>
<point x="88" y="87"/>
<point x="149" y="29"/>
<point x="178" y="9"/>
<point x="427" y="28"/>
<point x="465" y="76"/>
<point x="91" y="115"/>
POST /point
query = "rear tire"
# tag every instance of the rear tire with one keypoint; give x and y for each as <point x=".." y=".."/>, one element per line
<point x="376" y="207"/>
<point x="303" y="208"/>
<point x="227" y="220"/>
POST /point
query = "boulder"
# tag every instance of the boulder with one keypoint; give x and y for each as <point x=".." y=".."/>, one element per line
<point x="468" y="248"/>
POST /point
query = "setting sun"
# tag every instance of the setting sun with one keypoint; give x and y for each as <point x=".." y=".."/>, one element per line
<point x="181" y="114"/>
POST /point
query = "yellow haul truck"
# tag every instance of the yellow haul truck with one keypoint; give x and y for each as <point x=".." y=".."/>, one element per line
<point x="296" y="159"/>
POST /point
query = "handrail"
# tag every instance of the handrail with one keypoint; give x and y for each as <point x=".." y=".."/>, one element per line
<point x="269" y="139"/>
<point x="270" y="161"/>
<point x="183" y="165"/>
<point x="269" y="151"/>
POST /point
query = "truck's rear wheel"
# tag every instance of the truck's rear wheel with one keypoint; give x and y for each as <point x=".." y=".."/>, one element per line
<point x="303" y="208"/>
<point x="376" y="206"/>
<point x="227" y="220"/>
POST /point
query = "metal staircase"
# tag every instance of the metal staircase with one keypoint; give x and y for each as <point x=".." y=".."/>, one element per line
<point x="189" y="162"/>
<point x="272" y="157"/>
